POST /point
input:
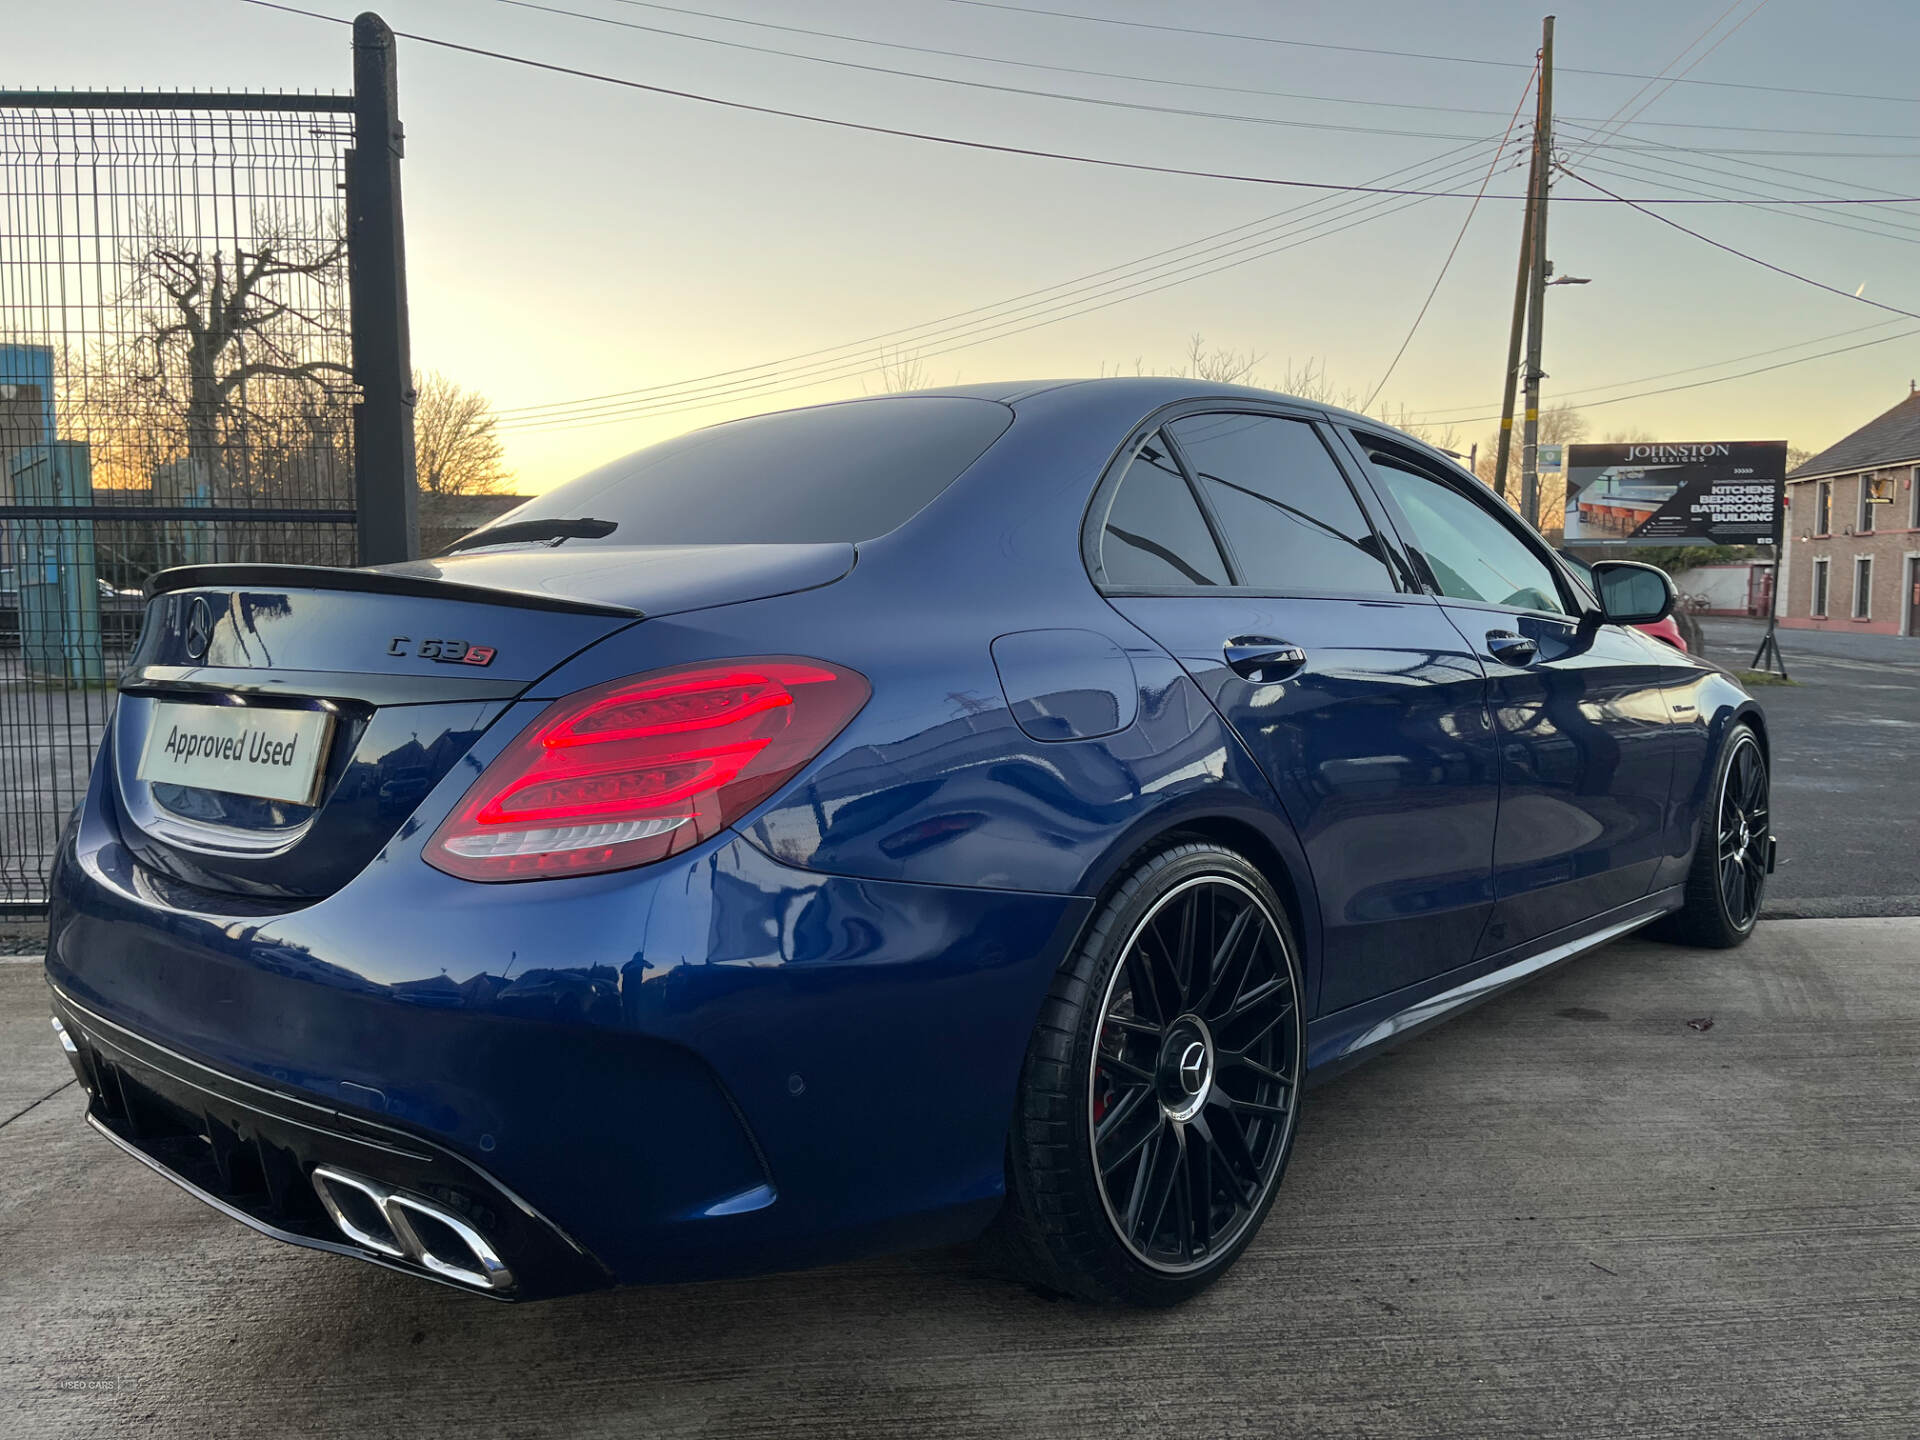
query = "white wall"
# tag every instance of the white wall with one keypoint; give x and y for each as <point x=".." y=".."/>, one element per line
<point x="1725" y="586"/>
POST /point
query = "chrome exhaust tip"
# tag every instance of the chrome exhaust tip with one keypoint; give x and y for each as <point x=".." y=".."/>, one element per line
<point x="409" y="1227"/>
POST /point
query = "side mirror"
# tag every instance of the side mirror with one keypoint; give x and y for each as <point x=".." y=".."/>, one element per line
<point x="1632" y="593"/>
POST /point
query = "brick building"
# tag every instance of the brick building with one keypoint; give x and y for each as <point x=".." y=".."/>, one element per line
<point x="1853" y="530"/>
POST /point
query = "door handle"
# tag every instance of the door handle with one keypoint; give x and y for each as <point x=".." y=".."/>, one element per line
<point x="1511" y="649"/>
<point x="1262" y="659"/>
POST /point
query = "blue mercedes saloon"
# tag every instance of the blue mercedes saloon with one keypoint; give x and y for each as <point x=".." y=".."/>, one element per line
<point x="870" y="826"/>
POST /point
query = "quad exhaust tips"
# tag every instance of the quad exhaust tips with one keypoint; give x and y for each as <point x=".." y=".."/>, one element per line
<point x="407" y="1227"/>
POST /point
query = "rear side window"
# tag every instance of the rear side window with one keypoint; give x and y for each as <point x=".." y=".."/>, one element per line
<point x="835" y="472"/>
<point x="1285" y="509"/>
<point x="1155" y="537"/>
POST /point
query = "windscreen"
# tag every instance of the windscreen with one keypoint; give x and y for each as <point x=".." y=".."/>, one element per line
<point x="847" y="472"/>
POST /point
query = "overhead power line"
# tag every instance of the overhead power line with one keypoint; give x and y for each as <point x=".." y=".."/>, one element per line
<point x="855" y="364"/>
<point x="1613" y="123"/>
<point x="1414" y="54"/>
<point x="1751" y="259"/>
<point x="1204" y="251"/>
<point x="1738" y="176"/>
<point x="912" y="336"/>
<point x="1825" y="189"/>
<point x="1701" y="384"/>
<point x="1638" y="172"/>
<point x="1454" y="249"/>
<point x="1460" y="414"/>
<point x="1132" y="78"/>
<point x="991" y="147"/>
<point x="1338" y="215"/>
<point x="1102" y="101"/>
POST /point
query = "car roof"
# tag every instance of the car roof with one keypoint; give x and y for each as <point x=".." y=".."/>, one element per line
<point x="1146" y="392"/>
<point x="1152" y="390"/>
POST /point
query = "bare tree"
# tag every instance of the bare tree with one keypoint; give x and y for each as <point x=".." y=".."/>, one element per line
<point x="1220" y="365"/>
<point x="456" y="440"/>
<point x="227" y="385"/>
<point x="898" y="370"/>
<point x="1562" y="424"/>
<point x="216" y="323"/>
<point x="1310" y="381"/>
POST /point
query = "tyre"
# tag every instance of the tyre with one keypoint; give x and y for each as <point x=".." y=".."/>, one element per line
<point x="1161" y="1089"/>
<point x="1728" y="876"/>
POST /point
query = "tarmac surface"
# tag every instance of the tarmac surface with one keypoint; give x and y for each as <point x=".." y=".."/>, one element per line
<point x="1846" y="768"/>
<point x="1577" y="1210"/>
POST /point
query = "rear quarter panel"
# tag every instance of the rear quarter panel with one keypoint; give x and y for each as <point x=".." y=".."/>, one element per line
<point x="935" y="781"/>
<point x="1706" y="702"/>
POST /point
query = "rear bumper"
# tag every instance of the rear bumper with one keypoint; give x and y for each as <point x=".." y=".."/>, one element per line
<point x="716" y="1065"/>
<point x="251" y="1154"/>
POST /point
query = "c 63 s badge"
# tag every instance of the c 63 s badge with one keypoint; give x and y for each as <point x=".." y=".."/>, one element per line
<point x="447" y="652"/>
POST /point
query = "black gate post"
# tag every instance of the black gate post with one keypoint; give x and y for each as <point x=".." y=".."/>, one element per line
<point x="384" y="479"/>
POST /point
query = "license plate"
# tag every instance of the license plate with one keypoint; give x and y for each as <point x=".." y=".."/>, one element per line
<point x="241" y="749"/>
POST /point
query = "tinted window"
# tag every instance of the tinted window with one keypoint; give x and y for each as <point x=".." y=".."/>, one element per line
<point x="1155" y="536"/>
<point x="1469" y="553"/>
<point x="835" y="472"/>
<point x="1583" y="572"/>
<point x="1283" y="505"/>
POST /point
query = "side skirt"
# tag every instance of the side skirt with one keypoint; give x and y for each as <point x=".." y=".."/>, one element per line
<point x="1338" y="1041"/>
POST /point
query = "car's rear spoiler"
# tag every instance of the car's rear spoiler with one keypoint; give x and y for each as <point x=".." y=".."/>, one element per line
<point x="324" y="577"/>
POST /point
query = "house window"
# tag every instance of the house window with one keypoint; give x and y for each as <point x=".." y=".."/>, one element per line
<point x="1819" y="611"/>
<point x="1863" y="587"/>
<point x="1823" y="509"/>
<point x="1913" y="498"/>
<point x="1875" y="491"/>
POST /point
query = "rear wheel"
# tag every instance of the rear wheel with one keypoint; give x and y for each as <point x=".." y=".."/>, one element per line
<point x="1729" y="873"/>
<point x="1161" y="1089"/>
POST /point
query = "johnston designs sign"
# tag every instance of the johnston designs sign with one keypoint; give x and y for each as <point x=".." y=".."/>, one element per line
<point x="1714" y="492"/>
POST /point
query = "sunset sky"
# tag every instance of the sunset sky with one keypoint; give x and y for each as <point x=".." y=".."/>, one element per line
<point x="569" y="238"/>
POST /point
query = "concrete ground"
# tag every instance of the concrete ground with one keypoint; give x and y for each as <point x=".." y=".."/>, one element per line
<point x="1846" y="783"/>
<point x="1575" y="1211"/>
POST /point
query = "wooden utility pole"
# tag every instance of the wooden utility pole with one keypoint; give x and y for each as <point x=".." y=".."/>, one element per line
<point x="1537" y="283"/>
<point x="1504" y="452"/>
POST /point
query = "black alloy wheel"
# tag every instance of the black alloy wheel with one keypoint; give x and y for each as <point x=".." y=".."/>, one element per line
<point x="1743" y="834"/>
<point x="1727" y="880"/>
<point x="1191" y="1096"/>
<point x="1161" y="1092"/>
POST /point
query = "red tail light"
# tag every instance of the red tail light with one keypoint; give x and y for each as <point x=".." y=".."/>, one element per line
<point x="634" y="771"/>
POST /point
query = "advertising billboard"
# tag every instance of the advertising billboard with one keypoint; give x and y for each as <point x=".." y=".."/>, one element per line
<point x="1716" y="492"/>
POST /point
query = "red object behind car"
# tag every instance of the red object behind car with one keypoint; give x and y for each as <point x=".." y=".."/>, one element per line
<point x="1666" y="630"/>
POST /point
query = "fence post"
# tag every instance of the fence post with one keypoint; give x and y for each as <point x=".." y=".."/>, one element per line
<point x="384" y="480"/>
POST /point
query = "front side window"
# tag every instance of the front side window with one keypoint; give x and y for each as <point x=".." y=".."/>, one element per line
<point x="1819" y="610"/>
<point x="1285" y="510"/>
<point x="1155" y="537"/>
<point x="1863" y="588"/>
<point x="1468" y="553"/>
<point x="1823" y="508"/>
<point x="1864" y="525"/>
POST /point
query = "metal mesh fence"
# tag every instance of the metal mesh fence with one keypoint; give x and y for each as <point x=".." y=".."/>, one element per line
<point x="175" y="388"/>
